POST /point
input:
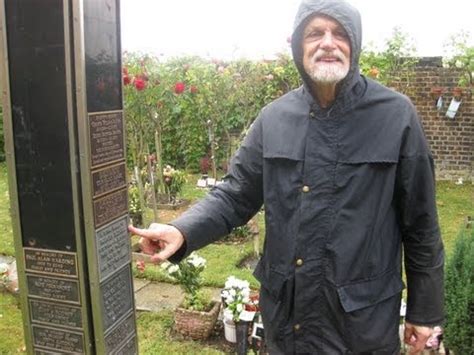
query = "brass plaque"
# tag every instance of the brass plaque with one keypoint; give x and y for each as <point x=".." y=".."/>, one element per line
<point x="113" y="247"/>
<point x="42" y="352"/>
<point x="108" y="179"/>
<point x="106" y="137"/>
<point x="122" y="331"/>
<point x="58" y="339"/>
<point x="117" y="297"/>
<point x="109" y="207"/>
<point x="51" y="262"/>
<point x="55" y="314"/>
<point x="130" y="348"/>
<point x="53" y="288"/>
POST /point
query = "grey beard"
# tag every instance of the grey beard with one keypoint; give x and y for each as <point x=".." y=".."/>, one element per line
<point x="329" y="74"/>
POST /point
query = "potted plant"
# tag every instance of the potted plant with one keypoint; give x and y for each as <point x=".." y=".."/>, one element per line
<point x="174" y="181"/>
<point x="197" y="315"/>
<point x="240" y="309"/>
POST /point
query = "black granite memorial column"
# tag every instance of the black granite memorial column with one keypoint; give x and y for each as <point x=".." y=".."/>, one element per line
<point x="65" y="147"/>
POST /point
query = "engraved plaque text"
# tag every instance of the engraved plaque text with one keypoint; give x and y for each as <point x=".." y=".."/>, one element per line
<point x="110" y="207"/>
<point x="130" y="348"/>
<point x="113" y="247"/>
<point x="106" y="137"/>
<point x="117" y="297"/>
<point x="120" y="332"/>
<point x="58" y="339"/>
<point x="108" y="179"/>
<point x="55" y="313"/>
<point x="50" y="262"/>
<point x="53" y="288"/>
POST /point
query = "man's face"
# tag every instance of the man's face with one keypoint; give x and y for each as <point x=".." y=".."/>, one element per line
<point x="326" y="50"/>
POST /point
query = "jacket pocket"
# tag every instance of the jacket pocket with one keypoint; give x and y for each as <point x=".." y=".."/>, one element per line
<point x="270" y="279"/>
<point x="371" y="312"/>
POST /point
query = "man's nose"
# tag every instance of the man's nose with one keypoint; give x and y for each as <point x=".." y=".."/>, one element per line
<point x="327" y="41"/>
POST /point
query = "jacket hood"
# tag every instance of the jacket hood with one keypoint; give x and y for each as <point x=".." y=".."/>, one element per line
<point x="348" y="17"/>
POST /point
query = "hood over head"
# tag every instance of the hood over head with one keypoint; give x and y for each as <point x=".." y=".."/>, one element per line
<point x="347" y="16"/>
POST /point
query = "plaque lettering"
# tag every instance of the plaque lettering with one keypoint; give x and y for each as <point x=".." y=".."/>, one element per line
<point x="113" y="247"/>
<point x="108" y="179"/>
<point x="130" y="348"/>
<point x="50" y="262"/>
<point x="53" y="288"/>
<point x="110" y="207"/>
<point x="122" y="331"/>
<point x="55" y="313"/>
<point x="106" y="137"/>
<point x="117" y="297"/>
<point x="58" y="339"/>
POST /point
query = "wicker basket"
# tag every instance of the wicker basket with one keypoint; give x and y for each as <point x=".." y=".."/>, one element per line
<point x="194" y="324"/>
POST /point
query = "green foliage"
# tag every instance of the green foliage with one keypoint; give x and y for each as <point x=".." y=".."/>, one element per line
<point x="188" y="274"/>
<point x="392" y="65"/>
<point x="2" y="137"/>
<point x="460" y="295"/>
<point x="196" y="104"/>
<point x="174" y="181"/>
<point x="459" y="54"/>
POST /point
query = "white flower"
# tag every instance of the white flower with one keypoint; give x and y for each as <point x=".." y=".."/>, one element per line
<point x="173" y="268"/>
<point x="240" y="308"/>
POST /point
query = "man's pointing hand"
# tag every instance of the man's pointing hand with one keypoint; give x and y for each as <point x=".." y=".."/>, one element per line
<point x="159" y="240"/>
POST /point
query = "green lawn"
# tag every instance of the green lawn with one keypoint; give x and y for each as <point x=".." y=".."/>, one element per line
<point x="455" y="203"/>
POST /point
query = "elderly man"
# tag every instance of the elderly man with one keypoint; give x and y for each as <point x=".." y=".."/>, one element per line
<point x="346" y="177"/>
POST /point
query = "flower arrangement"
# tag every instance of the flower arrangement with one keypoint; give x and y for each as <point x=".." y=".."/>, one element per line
<point x="240" y="306"/>
<point x="174" y="180"/>
<point x="188" y="274"/>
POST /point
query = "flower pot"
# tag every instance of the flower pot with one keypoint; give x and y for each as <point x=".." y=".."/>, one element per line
<point x="195" y="324"/>
<point x="229" y="331"/>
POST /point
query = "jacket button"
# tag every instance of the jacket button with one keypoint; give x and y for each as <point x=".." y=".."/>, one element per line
<point x="299" y="262"/>
<point x="305" y="188"/>
<point x="297" y="327"/>
<point x="312" y="114"/>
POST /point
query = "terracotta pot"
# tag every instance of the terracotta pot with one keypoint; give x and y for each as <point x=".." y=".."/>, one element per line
<point x="195" y="324"/>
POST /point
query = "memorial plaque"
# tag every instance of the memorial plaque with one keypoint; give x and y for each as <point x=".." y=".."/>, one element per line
<point x="50" y="262"/>
<point x="106" y="137"/>
<point x="58" y="339"/>
<point x="130" y="348"/>
<point x="53" y="288"/>
<point x="113" y="247"/>
<point x="122" y="331"/>
<point x="117" y="297"/>
<point x="44" y="352"/>
<point x="110" y="207"/>
<point x="108" y="179"/>
<point x="56" y="313"/>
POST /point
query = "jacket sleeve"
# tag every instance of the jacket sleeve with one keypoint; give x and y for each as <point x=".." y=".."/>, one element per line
<point x="229" y="204"/>
<point x="423" y="247"/>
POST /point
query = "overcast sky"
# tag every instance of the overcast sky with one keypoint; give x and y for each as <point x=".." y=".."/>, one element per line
<point x="259" y="28"/>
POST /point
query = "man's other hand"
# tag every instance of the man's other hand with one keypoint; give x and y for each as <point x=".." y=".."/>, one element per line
<point x="416" y="336"/>
<point x="159" y="240"/>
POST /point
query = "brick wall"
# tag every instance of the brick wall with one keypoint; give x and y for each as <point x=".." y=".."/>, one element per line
<point x="451" y="140"/>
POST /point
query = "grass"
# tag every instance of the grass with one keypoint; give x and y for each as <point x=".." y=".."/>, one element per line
<point x="6" y="233"/>
<point x="454" y="202"/>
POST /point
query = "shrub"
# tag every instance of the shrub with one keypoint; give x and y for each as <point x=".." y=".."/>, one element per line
<point x="460" y="295"/>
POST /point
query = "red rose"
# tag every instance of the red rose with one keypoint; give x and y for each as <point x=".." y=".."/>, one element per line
<point x="126" y="80"/>
<point x="193" y="89"/>
<point x="179" y="87"/>
<point x="139" y="84"/>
